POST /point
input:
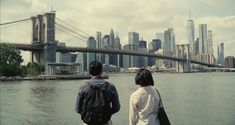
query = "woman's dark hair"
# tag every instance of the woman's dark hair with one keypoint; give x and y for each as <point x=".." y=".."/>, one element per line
<point x="144" y="78"/>
<point x="95" y="68"/>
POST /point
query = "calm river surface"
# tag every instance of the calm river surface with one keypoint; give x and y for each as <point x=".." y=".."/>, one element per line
<point x="189" y="99"/>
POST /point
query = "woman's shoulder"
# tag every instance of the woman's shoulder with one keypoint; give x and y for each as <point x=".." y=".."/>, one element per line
<point x="138" y="92"/>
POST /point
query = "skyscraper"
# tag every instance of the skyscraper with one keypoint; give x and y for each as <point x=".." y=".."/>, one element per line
<point x="143" y="61"/>
<point x="99" y="44"/>
<point x="229" y="62"/>
<point x="210" y="43"/>
<point x="99" y="39"/>
<point x="169" y="42"/>
<point x="117" y="44"/>
<point x="156" y="44"/>
<point x="203" y="39"/>
<point x="161" y="37"/>
<point x="105" y="44"/>
<point x="142" y="44"/>
<point x="196" y="46"/>
<point x="128" y="60"/>
<point x="190" y="34"/>
<point x="220" y="56"/>
<point x="91" y="43"/>
<point x="133" y="40"/>
<point x="113" y="45"/>
<point x="169" y="46"/>
<point x="112" y="39"/>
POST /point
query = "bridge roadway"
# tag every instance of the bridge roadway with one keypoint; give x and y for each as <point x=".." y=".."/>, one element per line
<point x="31" y="47"/>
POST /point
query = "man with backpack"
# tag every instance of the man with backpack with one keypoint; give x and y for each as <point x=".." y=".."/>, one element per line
<point x="97" y="99"/>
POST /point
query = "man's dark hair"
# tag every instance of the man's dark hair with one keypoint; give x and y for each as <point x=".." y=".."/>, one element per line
<point x="95" y="68"/>
<point x="144" y="78"/>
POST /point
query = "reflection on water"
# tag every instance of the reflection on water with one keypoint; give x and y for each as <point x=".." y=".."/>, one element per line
<point x="189" y="99"/>
<point x="42" y="99"/>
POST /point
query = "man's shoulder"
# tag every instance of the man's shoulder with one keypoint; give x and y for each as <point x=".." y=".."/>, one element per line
<point x="110" y="84"/>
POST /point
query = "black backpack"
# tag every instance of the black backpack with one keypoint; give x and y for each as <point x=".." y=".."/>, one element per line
<point x="96" y="107"/>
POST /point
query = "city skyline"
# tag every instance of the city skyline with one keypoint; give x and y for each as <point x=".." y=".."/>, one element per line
<point x="145" y="20"/>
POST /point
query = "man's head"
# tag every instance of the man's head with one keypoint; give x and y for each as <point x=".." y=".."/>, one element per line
<point x="95" y="68"/>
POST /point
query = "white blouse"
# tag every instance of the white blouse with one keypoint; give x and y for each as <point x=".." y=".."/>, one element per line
<point x="143" y="106"/>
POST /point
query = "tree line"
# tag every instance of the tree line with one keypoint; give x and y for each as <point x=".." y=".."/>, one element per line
<point x="10" y="63"/>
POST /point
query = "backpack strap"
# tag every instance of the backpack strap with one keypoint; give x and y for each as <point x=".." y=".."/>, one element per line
<point x="160" y="103"/>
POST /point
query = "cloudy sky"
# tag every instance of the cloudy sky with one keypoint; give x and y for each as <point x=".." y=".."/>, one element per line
<point x="147" y="17"/>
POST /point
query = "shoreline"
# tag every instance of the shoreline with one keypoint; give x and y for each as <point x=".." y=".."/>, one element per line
<point x="53" y="77"/>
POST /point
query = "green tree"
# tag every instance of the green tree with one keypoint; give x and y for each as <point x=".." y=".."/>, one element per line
<point x="34" y="68"/>
<point x="10" y="60"/>
<point x="23" y="70"/>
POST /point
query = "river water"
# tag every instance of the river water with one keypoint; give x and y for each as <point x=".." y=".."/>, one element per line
<point x="189" y="99"/>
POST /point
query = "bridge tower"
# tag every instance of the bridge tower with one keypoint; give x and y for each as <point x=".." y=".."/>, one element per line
<point x="43" y="35"/>
<point x="182" y="51"/>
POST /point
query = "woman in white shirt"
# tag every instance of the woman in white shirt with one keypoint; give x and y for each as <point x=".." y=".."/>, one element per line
<point x="144" y="102"/>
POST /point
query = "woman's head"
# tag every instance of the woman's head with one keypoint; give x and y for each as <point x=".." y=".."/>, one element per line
<point x="144" y="78"/>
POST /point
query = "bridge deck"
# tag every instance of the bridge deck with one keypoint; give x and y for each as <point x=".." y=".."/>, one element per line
<point x="30" y="47"/>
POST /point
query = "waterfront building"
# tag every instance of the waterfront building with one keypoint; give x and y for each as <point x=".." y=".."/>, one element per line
<point x="80" y="60"/>
<point x="159" y="62"/>
<point x="105" y="45"/>
<point x="190" y="34"/>
<point x="130" y="61"/>
<point x="169" y="42"/>
<point x="220" y="55"/>
<point x="65" y="64"/>
<point x="68" y="57"/>
<point x="196" y="46"/>
<point x="151" y="60"/>
<point x="114" y="58"/>
<point x="99" y="39"/>
<point x="111" y="39"/>
<point x="210" y="43"/>
<point x="117" y="44"/>
<point x="91" y="43"/>
<point x="99" y="44"/>
<point x="156" y="44"/>
<point x="161" y="37"/>
<point x="203" y="44"/>
<point x="133" y="40"/>
<point x="126" y="58"/>
<point x="169" y="46"/>
<point x="229" y="62"/>
<point x="150" y="46"/>
<point x="85" y="62"/>
<point x="142" y="44"/>
<point x="143" y="61"/>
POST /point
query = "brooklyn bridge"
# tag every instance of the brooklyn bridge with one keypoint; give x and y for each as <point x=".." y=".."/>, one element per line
<point x="43" y="46"/>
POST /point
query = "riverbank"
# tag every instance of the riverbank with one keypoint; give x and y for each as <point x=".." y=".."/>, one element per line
<point x="47" y="77"/>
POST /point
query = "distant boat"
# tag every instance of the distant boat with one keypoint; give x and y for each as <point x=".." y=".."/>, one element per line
<point x="133" y="70"/>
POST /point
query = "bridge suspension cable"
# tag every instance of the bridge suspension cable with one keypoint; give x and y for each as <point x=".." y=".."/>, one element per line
<point x="64" y="27"/>
<point x="2" y="24"/>
<point x="60" y="29"/>
<point x="73" y="26"/>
